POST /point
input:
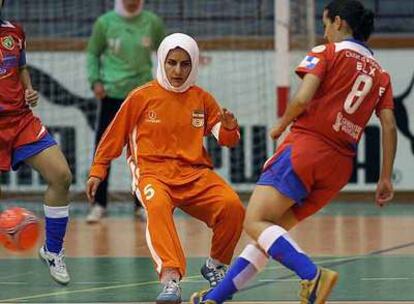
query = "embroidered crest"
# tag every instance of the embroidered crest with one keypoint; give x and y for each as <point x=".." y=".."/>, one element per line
<point x="198" y="118"/>
<point x="7" y="42"/>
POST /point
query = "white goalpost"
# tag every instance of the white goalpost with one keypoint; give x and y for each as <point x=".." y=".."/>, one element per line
<point x="282" y="47"/>
<point x="294" y="28"/>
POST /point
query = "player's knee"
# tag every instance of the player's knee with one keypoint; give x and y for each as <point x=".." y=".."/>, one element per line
<point x="254" y="225"/>
<point x="62" y="178"/>
<point x="67" y="178"/>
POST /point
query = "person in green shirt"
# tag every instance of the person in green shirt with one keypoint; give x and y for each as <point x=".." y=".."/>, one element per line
<point x="119" y="60"/>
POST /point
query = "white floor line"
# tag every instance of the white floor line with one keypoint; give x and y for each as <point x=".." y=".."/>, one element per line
<point x="385" y="279"/>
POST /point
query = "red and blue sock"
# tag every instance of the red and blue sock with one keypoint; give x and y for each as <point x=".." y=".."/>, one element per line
<point x="276" y="242"/>
<point x="243" y="269"/>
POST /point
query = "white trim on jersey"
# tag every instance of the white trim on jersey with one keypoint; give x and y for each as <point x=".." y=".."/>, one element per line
<point x="216" y="130"/>
<point x="349" y="45"/>
<point x="7" y="24"/>
<point x="41" y="132"/>
<point x="133" y="159"/>
<point x="134" y="151"/>
<point x="133" y="169"/>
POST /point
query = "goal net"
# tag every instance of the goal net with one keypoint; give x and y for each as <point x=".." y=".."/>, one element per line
<point x="237" y="44"/>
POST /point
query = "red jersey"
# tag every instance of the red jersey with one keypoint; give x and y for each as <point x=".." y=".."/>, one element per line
<point x="353" y="86"/>
<point x="12" y="57"/>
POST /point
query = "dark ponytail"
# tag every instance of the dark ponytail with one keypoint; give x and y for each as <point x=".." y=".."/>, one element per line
<point x="359" y="19"/>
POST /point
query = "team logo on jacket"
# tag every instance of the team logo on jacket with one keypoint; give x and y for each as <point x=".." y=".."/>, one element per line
<point x="198" y="118"/>
<point x="7" y="42"/>
<point x="152" y="117"/>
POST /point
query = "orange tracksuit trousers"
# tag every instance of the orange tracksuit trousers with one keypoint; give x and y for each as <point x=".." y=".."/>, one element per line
<point x="208" y="198"/>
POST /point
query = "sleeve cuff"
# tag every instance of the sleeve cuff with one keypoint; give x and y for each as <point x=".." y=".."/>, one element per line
<point x="229" y="138"/>
<point x="302" y="72"/>
<point x="378" y="111"/>
<point x="98" y="171"/>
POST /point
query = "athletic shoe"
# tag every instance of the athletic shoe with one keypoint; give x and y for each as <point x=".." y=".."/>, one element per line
<point x="213" y="274"/>
<point x="316" y="291"/>
<point x="96" y="214"/>
<point x="171" y="293"/>
<point x="56" y="264"/>
<point x="197" y="297"/>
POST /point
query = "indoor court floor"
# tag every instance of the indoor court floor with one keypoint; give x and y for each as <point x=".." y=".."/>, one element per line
<point x="371" y="248"/>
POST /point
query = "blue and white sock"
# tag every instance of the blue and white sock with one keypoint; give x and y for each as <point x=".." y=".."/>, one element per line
<point x="56" y="220"/>
<point x="277" y="243"/>
<point x="251" y="261"/>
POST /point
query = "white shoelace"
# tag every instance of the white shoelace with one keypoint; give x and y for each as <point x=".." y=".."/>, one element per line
<point x="217" y="274"/>
<point x="220" y="272"/>
<point x="171" y="287"/>
<point x="60" y="265"/>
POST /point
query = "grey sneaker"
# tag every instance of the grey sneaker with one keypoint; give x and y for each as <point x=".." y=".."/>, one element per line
<point x="96" y="214"/>
<point x="171" y="293"/>
<point x="213" y="274"/>
<point x="56" y="264"/>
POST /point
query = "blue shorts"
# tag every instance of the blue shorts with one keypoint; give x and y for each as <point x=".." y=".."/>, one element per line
<point x="20" y="154"/>
<point x="282" y="177"/>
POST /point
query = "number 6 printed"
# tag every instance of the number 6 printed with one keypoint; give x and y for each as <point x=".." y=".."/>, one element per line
<point x="351" y="105"/>
<point x="149" y="192"/>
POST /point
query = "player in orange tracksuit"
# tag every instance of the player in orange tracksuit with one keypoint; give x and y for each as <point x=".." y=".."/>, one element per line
<point x="163" y="124"/>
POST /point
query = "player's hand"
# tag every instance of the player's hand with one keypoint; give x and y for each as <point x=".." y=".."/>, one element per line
<point x="31" y="97"/>
<point x="99" y="90"/>
<point x="91" y="187"/>
<point x="276" y="131"/>
<point x="384" y="192"/>
<point x="228" y="120"/>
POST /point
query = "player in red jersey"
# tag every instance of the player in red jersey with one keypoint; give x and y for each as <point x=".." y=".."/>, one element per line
<point x="23" y="139"/>
<point x="342" y="86"/>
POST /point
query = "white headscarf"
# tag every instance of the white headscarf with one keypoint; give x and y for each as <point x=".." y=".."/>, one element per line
<point x="171" y="42"/>
<point x="121" y="11"/>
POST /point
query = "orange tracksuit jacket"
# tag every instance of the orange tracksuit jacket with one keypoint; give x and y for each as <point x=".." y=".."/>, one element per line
<point x="164" y="132"/>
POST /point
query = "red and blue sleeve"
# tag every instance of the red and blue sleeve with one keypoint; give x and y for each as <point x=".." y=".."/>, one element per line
<point x="315" y="62"/>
